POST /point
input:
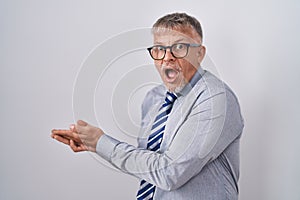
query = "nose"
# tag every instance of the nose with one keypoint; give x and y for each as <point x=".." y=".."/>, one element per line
<point x="168" y="56"/>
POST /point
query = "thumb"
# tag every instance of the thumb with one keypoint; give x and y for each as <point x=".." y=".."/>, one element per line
<point x="81" y="126"/>
<point x="82" y="123"/>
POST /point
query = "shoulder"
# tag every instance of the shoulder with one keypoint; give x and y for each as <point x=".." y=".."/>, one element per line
<point x="210" y="85"/>
<point x="222" y="97"/>
<point x="216" y="94"/>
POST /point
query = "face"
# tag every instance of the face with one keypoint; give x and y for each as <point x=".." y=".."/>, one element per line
<point x="177" y="72"/>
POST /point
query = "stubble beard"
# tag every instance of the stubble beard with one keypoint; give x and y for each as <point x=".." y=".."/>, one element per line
<point x="174" y="87"/>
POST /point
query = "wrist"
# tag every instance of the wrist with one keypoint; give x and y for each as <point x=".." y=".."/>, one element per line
<point x="98" y="135"/>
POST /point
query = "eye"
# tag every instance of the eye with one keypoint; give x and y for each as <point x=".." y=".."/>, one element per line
<point x="179" y="47"/>
<point x="160" y="48"/>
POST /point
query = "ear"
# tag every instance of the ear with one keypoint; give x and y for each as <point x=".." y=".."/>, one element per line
<point x="201" y="54"/>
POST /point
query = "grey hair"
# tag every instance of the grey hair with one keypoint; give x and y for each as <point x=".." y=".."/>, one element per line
<point x="178" y="20"/>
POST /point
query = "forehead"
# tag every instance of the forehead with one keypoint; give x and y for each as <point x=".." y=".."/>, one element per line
<point x="170" y="36"/>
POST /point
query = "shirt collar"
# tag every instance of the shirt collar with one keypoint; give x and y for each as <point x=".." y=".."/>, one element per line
<point x="197" y="76"/>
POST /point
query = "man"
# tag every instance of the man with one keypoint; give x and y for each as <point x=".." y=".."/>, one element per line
<point x="188" y="147"/>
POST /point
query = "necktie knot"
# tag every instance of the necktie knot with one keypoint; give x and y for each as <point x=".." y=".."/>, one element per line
<point x="170" y="98"/>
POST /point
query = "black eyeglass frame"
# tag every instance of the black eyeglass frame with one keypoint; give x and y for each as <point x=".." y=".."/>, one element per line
<point x="188" y="45"/>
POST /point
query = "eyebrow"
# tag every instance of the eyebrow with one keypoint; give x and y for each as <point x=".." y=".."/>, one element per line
<point x="176" y="41"/>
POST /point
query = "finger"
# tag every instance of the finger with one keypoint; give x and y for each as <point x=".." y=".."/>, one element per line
<point x="61" y="132"/>
<point x="82" y="123"/>
<point x="80" y="127"/>
<point x="84" y="139"/>
<point x="72" y="127"/>
<point x="77" y="147"/>
<point x="68" y="134"/>
<point x="73" y="146"/>
<point x="62" y="139"/>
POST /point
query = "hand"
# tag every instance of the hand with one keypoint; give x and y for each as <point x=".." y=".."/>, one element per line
<point x="69" y="137"/>
<point x="80" y="137"/>
<point x="88" y="134"/>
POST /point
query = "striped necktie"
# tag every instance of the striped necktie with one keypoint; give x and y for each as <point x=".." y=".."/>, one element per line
<point x="147" y="190"/>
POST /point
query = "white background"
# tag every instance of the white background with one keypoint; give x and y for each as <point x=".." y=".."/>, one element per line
<point x="254" y="45"/>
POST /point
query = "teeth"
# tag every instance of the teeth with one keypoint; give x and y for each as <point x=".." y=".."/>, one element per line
<point x="171" y="73"/>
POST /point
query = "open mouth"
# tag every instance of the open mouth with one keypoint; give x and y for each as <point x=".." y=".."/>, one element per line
<point x="171" y="74"/>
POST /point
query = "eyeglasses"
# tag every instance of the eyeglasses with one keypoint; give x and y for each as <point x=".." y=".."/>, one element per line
<point x="179" y="50"/>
